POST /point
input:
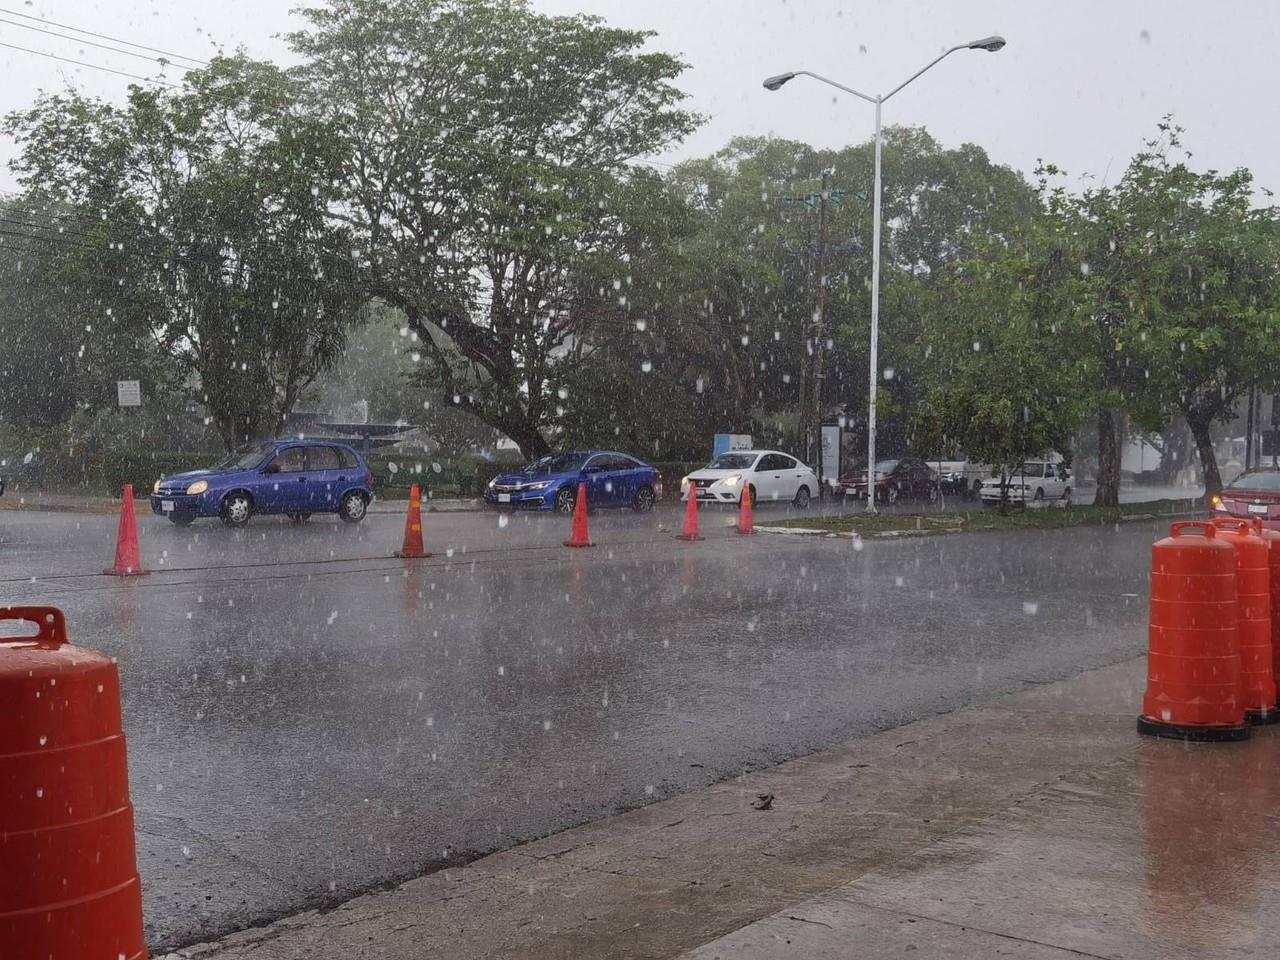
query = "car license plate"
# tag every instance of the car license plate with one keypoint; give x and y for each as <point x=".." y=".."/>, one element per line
<point x="504" y="498"/>
<point x="1257" y="508"/>
<point x="166" y="506"/>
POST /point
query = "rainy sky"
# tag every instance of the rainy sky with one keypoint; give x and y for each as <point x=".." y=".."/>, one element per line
<point x="1081" y="83"/>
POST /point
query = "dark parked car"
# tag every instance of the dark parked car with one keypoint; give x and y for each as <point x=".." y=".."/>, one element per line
<point x="293" y="477"/>
<point x="551" y="483"/>
<point x="908" y="478"/>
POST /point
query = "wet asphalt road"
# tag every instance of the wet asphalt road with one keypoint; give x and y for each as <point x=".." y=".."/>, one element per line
<point x="309" y="718"/>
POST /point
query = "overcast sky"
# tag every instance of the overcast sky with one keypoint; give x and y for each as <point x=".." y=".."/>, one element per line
<point x="1082" y="82"/>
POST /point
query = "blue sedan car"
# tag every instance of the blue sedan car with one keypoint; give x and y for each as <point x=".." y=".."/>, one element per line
<point x="613" y="480"/>
<point x="293" y="477"/>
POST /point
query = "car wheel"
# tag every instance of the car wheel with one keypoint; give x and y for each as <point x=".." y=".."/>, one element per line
<point x="351" y="508"/>
<point x="236" y="509"/>
<point x="644" y="500"/>
<point x="182" y="519"/>
<point x="1039" y="497"/>
<point x="1066" y="496"/>
<point x="565" y="500"/>
<point x="802" y="499"/>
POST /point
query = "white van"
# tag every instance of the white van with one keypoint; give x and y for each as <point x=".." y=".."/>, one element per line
<point x="1036" y="481"/>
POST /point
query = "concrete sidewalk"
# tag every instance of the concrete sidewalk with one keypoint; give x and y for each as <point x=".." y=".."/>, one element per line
<point x="1038" y="826"/>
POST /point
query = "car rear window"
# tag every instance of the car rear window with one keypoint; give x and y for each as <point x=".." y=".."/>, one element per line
<point x="347" y="458"/>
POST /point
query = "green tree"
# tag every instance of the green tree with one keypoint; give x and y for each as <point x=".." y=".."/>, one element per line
<point x="485" y="178"/>
<point x="1004" y="385"/>
<point x="212" y="204"/>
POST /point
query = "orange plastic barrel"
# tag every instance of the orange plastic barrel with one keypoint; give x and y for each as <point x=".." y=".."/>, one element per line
<point x="1273" y="543"/>
<point x="1193" y="639"/>
<point x="1253" y="589"/>
<point x="69" y="885"/>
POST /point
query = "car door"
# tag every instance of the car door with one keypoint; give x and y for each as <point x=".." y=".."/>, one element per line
<point x="283" y="488"/>
<point x="596" y="474"/>
<point x="767" y="477"/>
<point x="1054" y="482"/>
<point x="323" y="467"/>
<point x="627" y="474"/>
<point x="793" y="474"/>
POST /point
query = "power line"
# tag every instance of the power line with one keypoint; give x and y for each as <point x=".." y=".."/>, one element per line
<point x="85" y="63"/>
<point x="101" y="46"/>
<point x="103" y="36"/>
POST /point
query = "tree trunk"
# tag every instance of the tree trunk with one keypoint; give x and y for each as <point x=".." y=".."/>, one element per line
<point x="1108" y="493"/>
<point x="527" y="437"/>
<point x="1204" y="446"/>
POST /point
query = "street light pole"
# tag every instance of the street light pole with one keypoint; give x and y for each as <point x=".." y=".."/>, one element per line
<point x="991" y="45"/>
<point x="875" y="328"/>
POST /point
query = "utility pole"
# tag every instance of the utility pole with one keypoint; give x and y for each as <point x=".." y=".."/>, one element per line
<point x="819" y="333"/>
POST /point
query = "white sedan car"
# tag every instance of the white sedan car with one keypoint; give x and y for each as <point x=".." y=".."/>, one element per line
<point x="770" y="475"/>
<point x="1036" y="481"/>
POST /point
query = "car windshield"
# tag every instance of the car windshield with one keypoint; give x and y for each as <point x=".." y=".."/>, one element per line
<point x="1269" y="481"/>
<point x="244" y="458"/>
<point x="557" y="463"/>
<point x="885" y="466"/>
<point x="1034" y="469"/>
<point x="732" y="461"/>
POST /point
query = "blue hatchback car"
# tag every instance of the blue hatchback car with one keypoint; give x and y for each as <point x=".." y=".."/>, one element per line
<point x="613" y="480"/>
<point x="293" y="477"/>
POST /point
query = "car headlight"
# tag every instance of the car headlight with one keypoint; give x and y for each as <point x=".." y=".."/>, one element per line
<point x="538" y="486"/>
<point x="200" y="486"/>
<point x="156" y="487"/>
<point x="493" y="483"/>
<point x="731" y="481"/>
<point x="684" y="483"/>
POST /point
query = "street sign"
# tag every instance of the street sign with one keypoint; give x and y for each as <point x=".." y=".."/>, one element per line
<point x="724" y="442"/>
<point x="831" y="437"/>
<point x="129" y="393"/>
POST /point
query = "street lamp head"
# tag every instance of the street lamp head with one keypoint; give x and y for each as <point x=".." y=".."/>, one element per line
<point x="990" y="44"/>
<point x="775" y="83"/>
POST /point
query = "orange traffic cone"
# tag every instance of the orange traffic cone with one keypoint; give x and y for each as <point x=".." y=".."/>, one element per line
<point x="690" y="531"/>
<point x="579" y="537"/>
<point x="413" y="549"/>
<point x="746" y="523"/>
<point x="128" y="560"/>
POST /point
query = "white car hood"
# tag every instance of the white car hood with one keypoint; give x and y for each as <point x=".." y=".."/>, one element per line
<point x="705" y="474"/>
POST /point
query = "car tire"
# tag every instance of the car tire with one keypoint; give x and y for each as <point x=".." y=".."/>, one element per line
<point x="351" y="508"/>
<point x="236" y="510"/>
<point x="803" y="496"/>
<point x="566" y="500"/>
<point x="182" y="519"/>
<point x="644" y="500"/>
<point x="1039" y="497"/>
